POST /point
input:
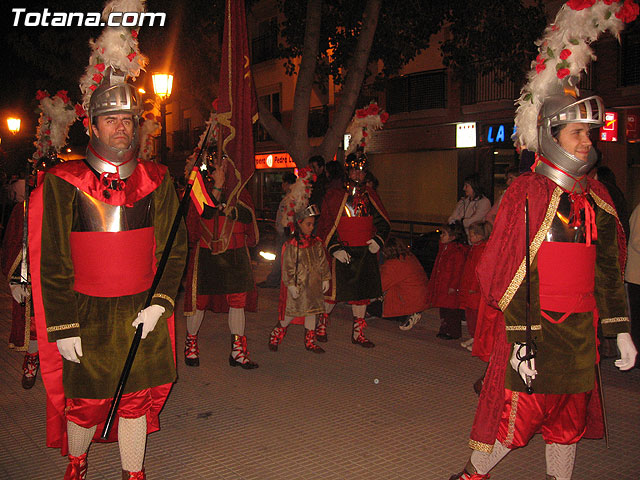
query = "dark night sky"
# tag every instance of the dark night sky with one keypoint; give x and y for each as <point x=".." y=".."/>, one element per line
<point x="49" y="58"/>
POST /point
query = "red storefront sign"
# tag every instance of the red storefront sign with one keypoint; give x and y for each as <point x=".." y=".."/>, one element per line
<point x="632" y="126"/>
<point x="274" y="160"/>
<point x="609" y="131"/>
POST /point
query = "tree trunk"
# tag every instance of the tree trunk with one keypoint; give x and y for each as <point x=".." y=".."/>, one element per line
<point x="296" y="139"/>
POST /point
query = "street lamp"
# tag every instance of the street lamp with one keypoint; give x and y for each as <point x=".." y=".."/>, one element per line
<point x="14" y="124"/>
<point x="162" y="86"/>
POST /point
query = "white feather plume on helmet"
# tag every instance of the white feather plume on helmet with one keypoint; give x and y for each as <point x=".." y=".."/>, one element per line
<point x="564" y="53"/>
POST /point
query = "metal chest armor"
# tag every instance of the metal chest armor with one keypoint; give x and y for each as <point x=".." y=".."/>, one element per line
<point x="564" y="228"/>
<point x="358" y="203"/>
<point x="92" y="215"/>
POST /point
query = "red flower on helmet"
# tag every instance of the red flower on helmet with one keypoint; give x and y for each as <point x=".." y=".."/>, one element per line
<point x="564" y="54"/>
<point x="131" y="56"/>
<point x="628" y="12"/>
<point x="384" y="116"/>
<point x="80" y="110"/>
<point x="563" y="72"/>
<point x="85" y="122"/>
<point x="99" y="67"/>
<point x="97" y="78"/>
<point x="373" y="109"/>
<point x="62" y="94"/>
<point x="540" y="67"/>
<point x="580" y="4"/>
<point x="361" y="113"/>
<point x="40" y="94"/>
<point x="134" y="33"/>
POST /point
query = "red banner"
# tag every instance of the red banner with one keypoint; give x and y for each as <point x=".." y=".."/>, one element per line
<point x="237" y="105"/>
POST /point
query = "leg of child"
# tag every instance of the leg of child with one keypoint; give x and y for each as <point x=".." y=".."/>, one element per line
<point x="451" y="326"/>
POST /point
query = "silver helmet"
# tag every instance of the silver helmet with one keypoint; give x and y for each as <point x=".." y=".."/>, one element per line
<point x="558" y="111"/>
<point x="309" y="211"/>
<point x="114" y="96"/>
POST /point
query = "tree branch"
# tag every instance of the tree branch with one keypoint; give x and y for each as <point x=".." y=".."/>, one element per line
<point x="355" y="76"/>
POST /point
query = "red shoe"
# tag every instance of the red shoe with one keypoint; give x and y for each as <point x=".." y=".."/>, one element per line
<point x="239" y="353"/>
<point x="321" y="327"/>
<point x="191" y="350"/>
<point x="468" y="476"/>
<point x="30" y="368"/>
<point x="133" y="475"/>
<point x="357" y="336"/>
<point x="309" y="342"/>
<point x="276" y="336"/>
<point x="77" y="468"/>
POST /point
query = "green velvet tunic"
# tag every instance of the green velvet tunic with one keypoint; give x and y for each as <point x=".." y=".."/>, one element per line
<point x="229" y="271"/>
<point x="104" y="323"/>
<point x="567" y="351"/>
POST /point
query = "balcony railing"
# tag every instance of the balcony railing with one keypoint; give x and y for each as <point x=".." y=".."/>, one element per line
<point x="487" y="88"/>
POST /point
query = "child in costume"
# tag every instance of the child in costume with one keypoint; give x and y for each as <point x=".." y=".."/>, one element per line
<point x="305" y="271"/>
<point x="469" y="293"/>
<point x="442" y="289"/>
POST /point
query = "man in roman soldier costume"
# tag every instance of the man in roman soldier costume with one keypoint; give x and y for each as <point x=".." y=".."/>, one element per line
<point x="220" y="276"/>
<point x="98" y="229"/>
<point x="543" y="375"/>
<point x="353" y="224"/>
<point x="23" y="332"/>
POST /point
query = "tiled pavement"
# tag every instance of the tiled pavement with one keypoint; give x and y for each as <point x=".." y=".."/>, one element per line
<point x="402" y="410"/>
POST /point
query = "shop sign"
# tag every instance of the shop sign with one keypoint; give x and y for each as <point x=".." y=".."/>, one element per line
<point x="499" y="133"/>
<point x="466" y="135"/>
<point x="274" y="160"/>
<point x="609" y="131"/>
<point x="632" y="127"/>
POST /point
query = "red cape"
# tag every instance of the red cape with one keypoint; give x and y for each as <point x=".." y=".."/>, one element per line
<point x="497" y="268"/>
<point x="144" y="180"/>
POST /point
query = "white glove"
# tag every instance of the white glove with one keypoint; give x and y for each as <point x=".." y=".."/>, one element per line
<point x="342" y="256"/>
<point x="373" y="246"/>
<point x="294" y="291"/>
<point x="325" y="286"/>
<point x="19" y="291"/>
<point x="70" y="348"/>
<point x="628" y="352"/>
<point x="523" y="369"/>
<point x="148" y="317"/>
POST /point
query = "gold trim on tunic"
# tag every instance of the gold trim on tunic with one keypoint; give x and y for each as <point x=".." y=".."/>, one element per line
<point x="68" y="326"/>
<point x="165" y="297"/>
<point x="614" y="320"/>
<point x="522" y="328"/>
<point x="516" y="281"/>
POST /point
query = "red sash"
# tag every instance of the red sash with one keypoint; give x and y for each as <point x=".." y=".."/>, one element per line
<point x="567" y="278"/>
<point x="99" y="258"/>
<point x="355" y="231"/>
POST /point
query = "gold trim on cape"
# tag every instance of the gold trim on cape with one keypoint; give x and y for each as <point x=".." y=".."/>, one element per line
<point x="337" y="220"/>
<point x="517" y="279"/>
<point x="511" y="429"/>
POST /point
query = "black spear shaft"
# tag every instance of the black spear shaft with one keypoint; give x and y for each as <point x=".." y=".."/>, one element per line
<point x="527" y="347"/>
<point x="182" y="209"/>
